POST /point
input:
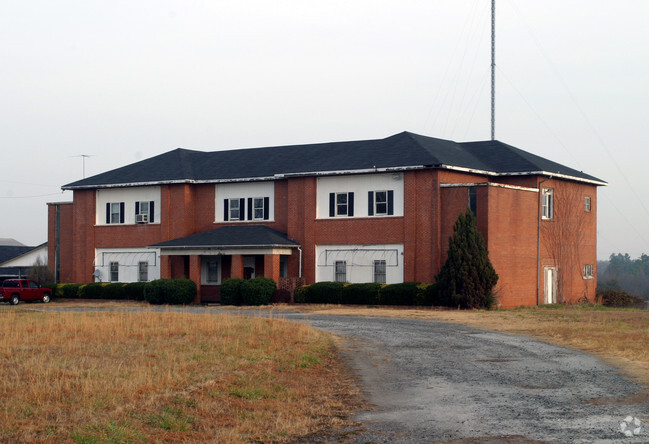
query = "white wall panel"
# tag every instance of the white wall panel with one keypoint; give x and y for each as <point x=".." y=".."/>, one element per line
<point x="360" y="185"/>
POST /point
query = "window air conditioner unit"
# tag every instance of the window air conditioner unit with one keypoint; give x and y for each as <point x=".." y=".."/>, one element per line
<point x="141" y="218"/>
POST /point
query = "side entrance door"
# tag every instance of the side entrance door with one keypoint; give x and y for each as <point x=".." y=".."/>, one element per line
<point x="550" y="285"/>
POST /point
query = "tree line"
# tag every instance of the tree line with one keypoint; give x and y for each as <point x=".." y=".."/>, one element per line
<point x="621" y="272"/>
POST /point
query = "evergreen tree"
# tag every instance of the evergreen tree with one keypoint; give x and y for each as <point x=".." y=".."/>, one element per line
<point x="467" y="278"/>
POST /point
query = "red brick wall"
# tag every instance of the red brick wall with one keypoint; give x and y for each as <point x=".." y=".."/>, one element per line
<point x="65" y="239"/>
<point x="512" y="234"/>
<point x="301" y="224"/>
<point x="83" y="239"/>
<point x="578" y="242"/>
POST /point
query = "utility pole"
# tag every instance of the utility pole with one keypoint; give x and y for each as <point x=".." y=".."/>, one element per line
<point x="493" y="69"/>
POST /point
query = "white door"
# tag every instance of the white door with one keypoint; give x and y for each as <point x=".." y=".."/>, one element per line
<point x="550" y="282"/>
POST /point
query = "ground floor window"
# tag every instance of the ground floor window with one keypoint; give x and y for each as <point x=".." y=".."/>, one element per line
<point x="379" y="272"/>
<point x="143" y="271"/>
<point x="114" y="271"/>
<point x="341" y="271"/>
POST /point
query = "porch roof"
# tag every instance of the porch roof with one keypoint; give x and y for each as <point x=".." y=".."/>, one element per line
<point x="239" y="236"/>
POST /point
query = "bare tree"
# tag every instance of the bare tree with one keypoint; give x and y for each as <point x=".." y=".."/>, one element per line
<point x="563" y="238"/>
<point x="40" y="273"/>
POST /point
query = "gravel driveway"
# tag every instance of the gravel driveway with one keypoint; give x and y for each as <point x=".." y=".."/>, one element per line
<point x="441" y="382"/>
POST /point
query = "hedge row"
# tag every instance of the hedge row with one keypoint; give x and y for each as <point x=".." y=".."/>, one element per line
<point x="256" y="291"/>
<point x="407" y="293"/>
<point x="161" y="291"/>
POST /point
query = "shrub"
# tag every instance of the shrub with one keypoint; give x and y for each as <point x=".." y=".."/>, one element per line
<point x="302" y="294"/>
<point x="68" y="291"/>
<point x="361" y="294"/>
<point x="258" y="291"/>
<point x="170" y="291"/>
<point x="618" y="298"/>
<point x="114" y="290"/>
<point x="324" y="293"/>
<point x="399" y="294"/>
<point x="93" y="290"/>
<point x="231" y="291"/>
<point x="467" y="277"/>
<point x="426" y="295"/>
<point x="134" y="291"/>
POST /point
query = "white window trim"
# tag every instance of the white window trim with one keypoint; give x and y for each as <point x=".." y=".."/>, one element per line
<point x="346" y="204"/>
<point x="548" y="204"/>
<point x="587" y="203"/>
<point x="377" y="203"/>
<point x="255" y="208"/>
<point x="230" y="209"/>
<point x="589" y="271"/>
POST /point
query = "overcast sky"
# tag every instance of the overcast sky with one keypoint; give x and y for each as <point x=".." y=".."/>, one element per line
<point x="121" y="81"/>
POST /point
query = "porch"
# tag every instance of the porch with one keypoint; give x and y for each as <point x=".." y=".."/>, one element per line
<point x="244" y="252"/>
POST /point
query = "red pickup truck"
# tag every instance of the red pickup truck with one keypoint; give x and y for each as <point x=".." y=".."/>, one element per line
<point x="16" y="290"/>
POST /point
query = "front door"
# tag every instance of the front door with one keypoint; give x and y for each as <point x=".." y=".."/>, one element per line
<point x="248" y="267"/>
<point x="550" y="284"/>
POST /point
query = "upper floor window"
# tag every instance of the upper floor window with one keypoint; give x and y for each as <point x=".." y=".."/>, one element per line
<point x="548" y="203"/>
<point x="233" y="209"/>
<point x="587" y="203"/>
<point x="341" y="204"/>
<point x="115" y="212"/>
<point x="144" y="212"/>
<point x="258" y="208"/>
<point x="588" y="271"/>
<point x="380" y="203"/>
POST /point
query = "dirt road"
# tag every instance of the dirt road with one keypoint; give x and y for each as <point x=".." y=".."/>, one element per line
<point x="438" y="382"/>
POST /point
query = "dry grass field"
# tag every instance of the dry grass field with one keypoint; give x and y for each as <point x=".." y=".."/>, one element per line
<point x="165" y="377"/>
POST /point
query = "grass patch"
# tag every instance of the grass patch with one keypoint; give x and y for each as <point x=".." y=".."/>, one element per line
<point x="103" y="377"/>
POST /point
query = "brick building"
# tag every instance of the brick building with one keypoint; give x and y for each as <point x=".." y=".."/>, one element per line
<point x="360" y="211"/>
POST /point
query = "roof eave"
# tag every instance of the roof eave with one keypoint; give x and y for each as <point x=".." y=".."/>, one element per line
<point x="524" y="173"/>
<point x="221" y="247"/>
<point x="338" y="173"/>
<point x="127" y="184"/>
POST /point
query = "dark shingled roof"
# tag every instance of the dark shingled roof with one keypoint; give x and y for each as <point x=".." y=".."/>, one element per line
<point x="403" y="150"/>
<point x="233" y="236"/>
<point x="8" y="252"/>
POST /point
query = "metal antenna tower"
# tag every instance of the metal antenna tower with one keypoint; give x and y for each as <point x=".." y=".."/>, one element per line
<point x="84" y="157"/>
<point x="493" y="69"/>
